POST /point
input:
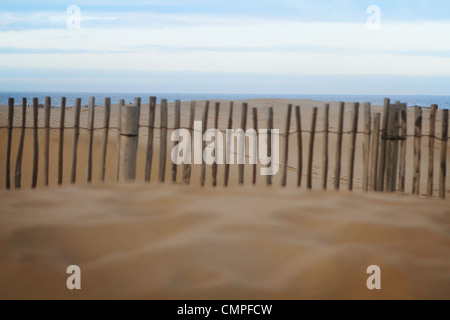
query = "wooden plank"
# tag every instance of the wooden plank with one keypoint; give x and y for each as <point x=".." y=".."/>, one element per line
<point x="443" y="165"/>
<point x="403" y="145"/>
<point x="216" y="126"/>
<point x="374" y="152"/>
<point x="325" y="156"/>
<point x="76" y="131"/>
<point x="163" y="141"/>
<point x="389" y="148"/>
<point x="121" y="105"/>
<point x="91" y="119"/>
<point x="382" y="151"/>
<point x="229" y="127"/>
<point x="187" y="166"/>
<point x="269" y="141"/>
<point x="417" y="149"/>
<point x="176" y="127"/>
<point x="255" y="126"/>
<point x="311" y="147"/>
<point x="243" y="127"/>
<point x="396" y="145"/>
<point x="204" y="127"/>
<point x="105" y="138"/>
<point x="431" y="139"/>
<point x="9" y="145"/>
<point x="300" y="146"/>
<point x="151" y="128"/>
<point x="35" y="143"/>
<point x="354" y="131"/>
<point x="286" y="146"/>
<point x="393" y="131"/>
<point x="61" y="140"/>
<point x="47" y="106"/>
<point x="128" y="146"/>
<point x="18" y="171"/>
<point x="340" y="132"/>
<point x="366" y="146"/>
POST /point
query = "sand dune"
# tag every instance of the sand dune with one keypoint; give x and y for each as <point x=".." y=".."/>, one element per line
<point x="155" y="241"/>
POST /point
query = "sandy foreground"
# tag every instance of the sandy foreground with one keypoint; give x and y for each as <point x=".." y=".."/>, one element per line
<point x="156" y="241"/>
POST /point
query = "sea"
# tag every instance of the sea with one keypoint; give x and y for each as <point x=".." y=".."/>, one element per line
<point x="443" y="102"/>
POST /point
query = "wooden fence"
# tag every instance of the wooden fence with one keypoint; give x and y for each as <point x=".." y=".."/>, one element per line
<point x="384" y="147"/>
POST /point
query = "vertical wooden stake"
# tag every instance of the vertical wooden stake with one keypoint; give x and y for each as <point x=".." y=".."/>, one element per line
<point x="151" y="126"/>
<point x="403" y="144"/>
<point x="228" y="153"/>
<point x="61" y="140"/>
<point x="105" y="138"/>
<point x="255" y="126"/>
<point x="286" y="146"/>
<point x="176" y="127"/>
<point x="128" y="146"/>
<point x="300" y="146"/>
<point x="389" y="148"/>
<point x="91" y="119"/>
<point x="374" y="152"/>
<point x="351" y="167"/>
<point x="163" y="141"/>
<point x="35" y="143"/>
<point x="121" y="105"/>
<point x="417" y="149"/>
<point x="269" y="142"/>
<point x="76" y="130"/>
<point x="444" y="142"/>
<point x="340" y="131"/>
<point x="48" y="105"/>
<point x="18" y="172"/>
<point x="9" y="145"/>
<point x="204" y="127"/>
<point x="366" y="146"/>
<point x="431" y="150"/>
<point x="188" y="157"/>
<point x="382" y="151"/>
<point x="325" y="146"/>
<point x="216" y="126"/>
<point x="243" y="127"/>
<point x="311" y="147"/>
<point x="395" y="144"/>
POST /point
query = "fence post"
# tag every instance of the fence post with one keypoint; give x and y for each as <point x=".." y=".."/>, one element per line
<point x="216" y="126"/>
<point x="382" y="151"/>
<point x="187" y="166"/>
<point x="366" y="146"/>
<point x="119" y="130"/>
<point x="76" y="129"/>
<point x="175" y="144"/>
<point x="286" y="146"/>
<point x="417" y="149"/>
<point x="61" y="140"/>
<point x="35" y="143"/>
<point x="255" y="126"/>
<point x="151" y="125"/>
<point x="128" y="146"/>
<point x="8" y="148"/>
<point x="300" y="146"/>
<point x="403" y="144"/>
<point x="353" y="146"/>
<point x="311" y="148"/>
<point x="444" y="140"/>
<point x="18" y="172"/>
<point x="337" y="171"/>
<point x="374" y="152"/>
<point x="432" y="132"/>
<point x="227" y="160"/>
<point x="204" y="127"/>
<point x="91" y="118"/>
<point x="48" y="105"/>
<point x="163" y="141"/>
<point x="105" y="138"/>
<point x="269" y="141"/>
<point x="325" y="146"/>
<point x="244" y="128"/>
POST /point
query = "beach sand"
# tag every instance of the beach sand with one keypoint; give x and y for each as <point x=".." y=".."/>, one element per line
<point x="153" y="241"/>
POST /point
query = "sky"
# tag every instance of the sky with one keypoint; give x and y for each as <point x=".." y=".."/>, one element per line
<point x="381" y="47"/>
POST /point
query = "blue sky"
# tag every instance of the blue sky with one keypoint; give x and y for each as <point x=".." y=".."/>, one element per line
<point x="284" y="46"/>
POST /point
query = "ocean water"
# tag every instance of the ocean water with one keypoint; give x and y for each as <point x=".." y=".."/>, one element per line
<point x="421" y="100"/>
